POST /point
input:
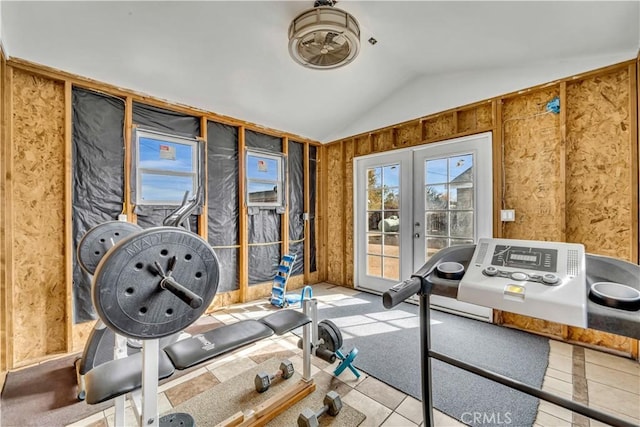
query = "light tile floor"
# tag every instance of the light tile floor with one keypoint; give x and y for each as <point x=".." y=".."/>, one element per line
<point x="613" y="382"/>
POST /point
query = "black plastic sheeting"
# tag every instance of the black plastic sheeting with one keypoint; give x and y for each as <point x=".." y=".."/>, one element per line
<point x="264" y="227"/>
<point x="223" y="229"/>
<point x="296" y="205"/>
<point x="313" y="163"/>
<point x="98" y="178"/>
<point x="161" y="120"/>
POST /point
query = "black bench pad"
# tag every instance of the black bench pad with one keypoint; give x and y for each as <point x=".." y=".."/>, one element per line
<point x="215" y="342"/>
<point x="284" y="321"/>
<point x="120" y="376"/>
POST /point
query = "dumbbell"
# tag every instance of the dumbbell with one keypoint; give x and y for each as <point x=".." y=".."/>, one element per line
<point x="263" y="380"/>
<point x="332" y="406"/>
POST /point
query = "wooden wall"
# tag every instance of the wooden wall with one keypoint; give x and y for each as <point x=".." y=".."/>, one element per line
<point x="35" y="215"/>
<point x="571" y="176"/>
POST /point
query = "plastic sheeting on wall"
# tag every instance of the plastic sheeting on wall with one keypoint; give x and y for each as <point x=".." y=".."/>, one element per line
<point x="312" y="206"/>
<point x="162" y="120"/>
<point x="296" y="205"/>
<point x="98" y="177"/>
<point x="264" y="227"/>
<point x="223" y="215"/>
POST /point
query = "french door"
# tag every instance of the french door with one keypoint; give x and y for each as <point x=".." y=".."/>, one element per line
<point x="411" y="203"/>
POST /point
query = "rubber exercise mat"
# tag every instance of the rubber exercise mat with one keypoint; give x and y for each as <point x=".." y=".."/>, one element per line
<point x="388" y="344"/>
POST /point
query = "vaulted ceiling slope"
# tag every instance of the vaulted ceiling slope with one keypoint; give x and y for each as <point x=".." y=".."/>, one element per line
<point x="231" y="57"/>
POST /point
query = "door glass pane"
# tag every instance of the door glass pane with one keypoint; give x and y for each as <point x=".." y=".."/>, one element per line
<point x="383" y="221"/>
<point x="374" y="265"/>
<point x="392" y="244"/>
<point x="436" y="197"/>
<point x="391" y="268"/>
<point x="373" y="220"/>
<point x="461" y="168"/>
<point x="392" y="197"/>
<point x="461" y="224"/>
<point x="436" y="171"/>
<point x="374" y="199"/>
<point x="374" y="178"/>
<point x="437" y="224"/>
<point x="461" y="196"/>
<point x="374" y="245"/>
<point x="449" y="202"/>
<point x="434" y="245"/>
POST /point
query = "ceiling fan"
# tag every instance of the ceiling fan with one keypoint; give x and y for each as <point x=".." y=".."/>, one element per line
<point x="324" y="37"/>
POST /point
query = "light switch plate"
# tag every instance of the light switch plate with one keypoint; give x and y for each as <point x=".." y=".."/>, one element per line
<point x="507" y="215"/>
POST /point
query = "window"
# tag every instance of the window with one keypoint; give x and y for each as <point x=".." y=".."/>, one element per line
<point x="166" y="167"/>
<point x="264" y="177"/>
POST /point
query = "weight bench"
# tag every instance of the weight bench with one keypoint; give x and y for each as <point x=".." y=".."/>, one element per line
<point x="121" y="376"/>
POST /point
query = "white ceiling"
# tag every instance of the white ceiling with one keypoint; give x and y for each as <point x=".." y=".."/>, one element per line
<point x="231" y="57"/>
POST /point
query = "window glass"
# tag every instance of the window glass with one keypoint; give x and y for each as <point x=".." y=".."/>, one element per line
<point x="167" y="166"/>
<point x="264" y="175"/>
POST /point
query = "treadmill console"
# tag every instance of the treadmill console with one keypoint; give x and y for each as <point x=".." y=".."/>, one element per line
<point x="545" y="280"/>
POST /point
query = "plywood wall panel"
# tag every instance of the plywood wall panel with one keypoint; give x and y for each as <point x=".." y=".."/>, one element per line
<point x="599" y="150"/>
<point x="362" y="147"/>
<point x="334" y="218"/>
<point x="409" y="134"/>
<point x="533" y="182"/>
<point x="440" y="127"/>
<point x="348" y="212"/>
<point x="476" y="118"/>
<point x="532" y="324"/>
<point x="602" y="339"/>
<point x="383" y="140"/>
<point x="38" y="179"/>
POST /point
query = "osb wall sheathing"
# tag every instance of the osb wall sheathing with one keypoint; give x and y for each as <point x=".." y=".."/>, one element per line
<point x="336" y="197"/>
<point x="532" y="148"/>
<point x="599" y="182"/>
<point x="38" y="236"/>
<point x="348" y="207"/>
<point x="3" y="259"/>
<point x="570" y="176"/>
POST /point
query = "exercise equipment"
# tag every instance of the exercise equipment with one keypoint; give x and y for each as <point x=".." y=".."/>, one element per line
<point x="263" y="380"/>
<point x="102" y="344"/>
<point x="279" y="286"/>
<point x="332" y="406"/>
<point x="327" y="345"/>
<point x="594" y="268"/>
<point x="538" y="279"/>
<point x="154" y="283"/>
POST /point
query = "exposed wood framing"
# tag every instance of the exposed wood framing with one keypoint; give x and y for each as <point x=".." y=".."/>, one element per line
<point x="7" y="255"/>
<point x="68" y="197"/>
<point x="203" y="219"/>
<point x="4" y="214"/>
<point x="306" y="208"/>
<point x="128" y="129"/>
<point x="59" y="75"/>
<point x="243" y="267"/>
<point x="634" y="95"/>
<point x="496" y="108"/>
<point x="323" y="196"/>
<point x="284" y="218"/>
<point x="563" y="161"/>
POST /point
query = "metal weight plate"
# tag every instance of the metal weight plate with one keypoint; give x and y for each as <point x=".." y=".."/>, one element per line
<point x="96" y="242"/>
<point x="330" y="333"/>
<point x="126" y="287"/>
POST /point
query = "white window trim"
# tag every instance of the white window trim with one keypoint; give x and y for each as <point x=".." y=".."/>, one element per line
<point x="279" y="158"/>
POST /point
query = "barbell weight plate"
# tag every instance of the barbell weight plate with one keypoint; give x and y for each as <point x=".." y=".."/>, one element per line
<point x="330" y="333"/>
<point x="126" y="286"/>
<point x="97" y="241"/>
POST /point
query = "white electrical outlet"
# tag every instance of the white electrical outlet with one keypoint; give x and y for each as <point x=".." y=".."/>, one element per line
<point x="507" y="215"/>
<point x="122" y="217"/>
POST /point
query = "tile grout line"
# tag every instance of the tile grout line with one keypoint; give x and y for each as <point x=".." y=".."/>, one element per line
<point x="580" y="388"/>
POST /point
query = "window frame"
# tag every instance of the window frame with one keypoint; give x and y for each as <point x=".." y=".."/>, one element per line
<point x="195" y="173"/>
<point x="280" y="183"/>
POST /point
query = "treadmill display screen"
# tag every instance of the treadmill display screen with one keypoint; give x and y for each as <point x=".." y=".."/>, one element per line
<point x="528" y="258"/>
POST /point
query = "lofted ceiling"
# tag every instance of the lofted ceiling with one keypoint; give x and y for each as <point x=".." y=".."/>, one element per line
<point x="231" y="57"/>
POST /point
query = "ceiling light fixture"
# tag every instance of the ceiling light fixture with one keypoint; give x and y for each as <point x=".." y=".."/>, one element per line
<point x="324" y="37"/>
